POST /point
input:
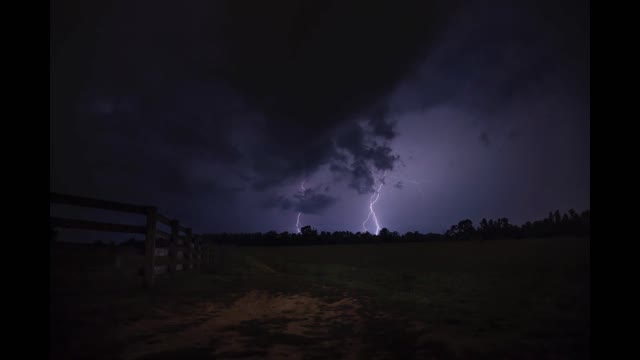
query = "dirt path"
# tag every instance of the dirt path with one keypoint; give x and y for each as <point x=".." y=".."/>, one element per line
<point x="256" y="325"/>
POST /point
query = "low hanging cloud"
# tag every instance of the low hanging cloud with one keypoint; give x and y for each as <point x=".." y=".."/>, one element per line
<point x="311" y="201"/>
<point x="484" y="139"/>
<point x="253" y="95"/>
<point x="315" y="204"/>
<point x="365" y="151"/>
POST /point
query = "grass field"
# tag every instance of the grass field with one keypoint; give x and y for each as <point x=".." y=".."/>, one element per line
<point x="502" y="299"/>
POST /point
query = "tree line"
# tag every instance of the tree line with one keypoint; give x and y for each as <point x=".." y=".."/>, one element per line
<point x="555" y="224"/>
<point x="568" y="224"/>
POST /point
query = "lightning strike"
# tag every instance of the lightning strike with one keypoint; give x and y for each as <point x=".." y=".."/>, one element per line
<point x="372" y="201"/>
<point x="302" y="189"/>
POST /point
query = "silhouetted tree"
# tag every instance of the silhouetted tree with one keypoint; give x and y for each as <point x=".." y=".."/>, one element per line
<point x="557" y="219"/>
<point x="570" y="224"/>
<point x="308" y="231"/>
<point x="573" y="214"/>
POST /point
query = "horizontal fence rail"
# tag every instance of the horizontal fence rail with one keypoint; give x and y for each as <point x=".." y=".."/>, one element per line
<point x="96" y="203"/>
<point x="185" y="251"/>
<point x="95" y="225"/>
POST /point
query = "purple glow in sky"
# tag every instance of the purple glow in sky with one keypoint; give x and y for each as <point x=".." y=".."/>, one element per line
<point x="475" y="110"/>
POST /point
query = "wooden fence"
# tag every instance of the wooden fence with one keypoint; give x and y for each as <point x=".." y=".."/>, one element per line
<point x="184" y="250"/>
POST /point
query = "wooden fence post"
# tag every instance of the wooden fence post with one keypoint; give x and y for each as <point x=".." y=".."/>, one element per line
<point x="198" y="252"/>
<point x="195" y="251"/>
<point x="188" y="243"/>
<point x="203" y="253"/>
<point x="173" y="246"/>
<point x="150" y="245"/>
<point x="207" y="257"/>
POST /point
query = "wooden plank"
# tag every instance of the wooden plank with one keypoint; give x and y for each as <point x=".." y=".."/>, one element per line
<point x="95" y="225"/>
<point x="162" y="252"/>
<point x="189" y="251"/>
<point x="167" y="260"/>
<point x="161" y="269"/>
<point x="96" y="203"/>
<point x="163" y="219"/>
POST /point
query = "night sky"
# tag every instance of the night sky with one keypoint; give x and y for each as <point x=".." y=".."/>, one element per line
<point x="216" y="111"/>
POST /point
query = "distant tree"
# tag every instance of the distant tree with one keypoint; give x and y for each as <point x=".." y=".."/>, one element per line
<point x="483" y="229"/>
<point x="452" y="232"/>
<point x="568" y="224"/>
<point x="308" y="231"/>
<point x="573" y="214"/>
<point x="464" y="230"/>
<point x="556" y="217"/>
<point x="585" y="216"/>
<point x="465" y="225"/>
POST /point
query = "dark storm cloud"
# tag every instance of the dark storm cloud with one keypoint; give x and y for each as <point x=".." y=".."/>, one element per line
<point x="322" y="62"/>
<point x="382" y="126"/>
<point x="355" y="151"/>
<point x="484" y="139"/>
<point x="382" y="157"/>
<point x="278" y="201"/>
<point x="497" y="52"/>
<point x="294" y="72"/>
<point x="186" y="104"/>
<point x="315" y="203"/>
<point x="361" y="177"/>
<point x="309" y="202"/>
<point x="364" y="152"/>
<point x="274" y="162"/>
<point x="312" y="67"/>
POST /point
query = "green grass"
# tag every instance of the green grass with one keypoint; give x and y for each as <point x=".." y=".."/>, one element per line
<point x="485" y="299"/>
<point x="472" y="297"/>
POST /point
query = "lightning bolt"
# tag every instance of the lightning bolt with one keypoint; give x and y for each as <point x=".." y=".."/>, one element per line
<point x="372" y="201"/>
<point x="302" y="189"/>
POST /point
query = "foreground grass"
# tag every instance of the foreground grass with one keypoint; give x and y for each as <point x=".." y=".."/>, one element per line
<point x="524" y="296"/>
<point x="507" y="299"/>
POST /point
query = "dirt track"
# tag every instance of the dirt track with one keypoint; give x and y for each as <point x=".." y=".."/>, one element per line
<point x="256" y="325"/>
